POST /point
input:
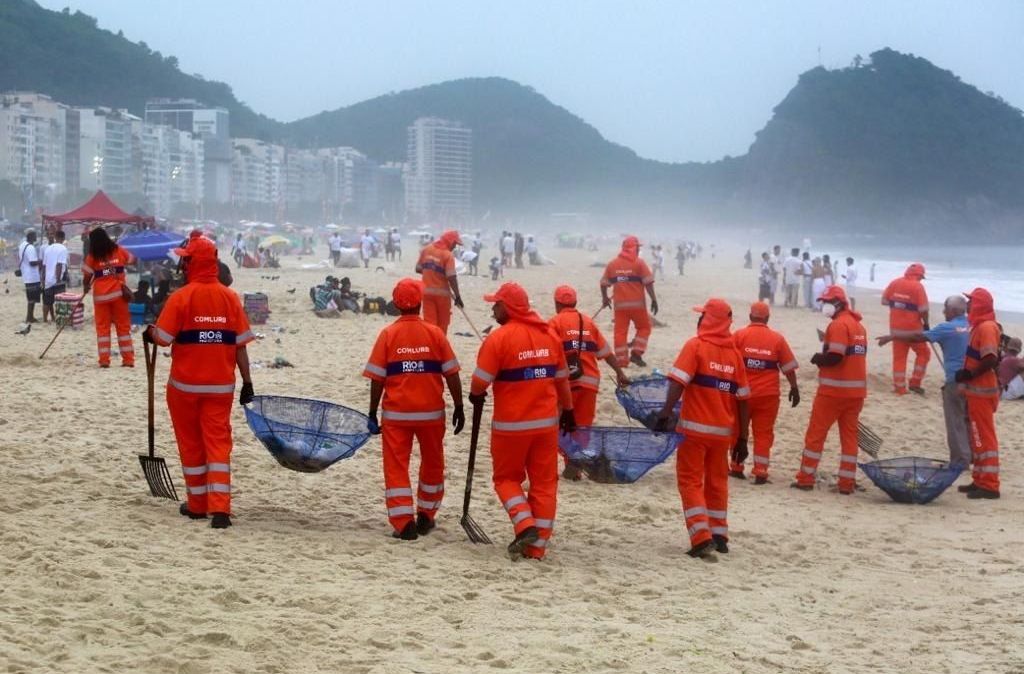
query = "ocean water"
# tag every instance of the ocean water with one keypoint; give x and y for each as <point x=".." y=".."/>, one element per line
<point x="950" y="270"/>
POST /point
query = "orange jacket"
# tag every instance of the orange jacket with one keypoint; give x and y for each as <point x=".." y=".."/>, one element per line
<point x="984" y="341"/>
<point x="849" y="379"/>
<point x="765" y="354"/>
<point x="436" y="264"/>
<point x="107" y="275"/>
<point x="207" y="324"/>
<point x="629" y="278"/>
<point x="527" y="366"/>
<point x="907" y="302"/>
<point x="412" y="357"/>
<point x="566" y="326"/>
<point x="715" y="379"/>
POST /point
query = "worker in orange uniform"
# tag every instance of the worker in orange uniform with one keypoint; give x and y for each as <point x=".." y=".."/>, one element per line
<point x="713" y="419"/>
<point x="103" y="272"/>
<point x="525" y="362"/>
<point x="408" y="366"/>
<point x="765" y="354"/>
<point x="980" y="385"/>
<point x="842" y="388"/>
<point x="440" y="283"/>
<point x="583" y="344"/>
<point x="209" y="331"/>
<point x="908" y="315"/>
<point x="630" y="277"/>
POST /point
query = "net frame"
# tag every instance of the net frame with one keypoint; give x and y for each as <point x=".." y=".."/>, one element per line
<point x="912" y="479"/>
<point x="604" y="457"/>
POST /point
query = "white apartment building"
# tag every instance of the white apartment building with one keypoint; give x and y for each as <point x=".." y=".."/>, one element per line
<point x="257" y="171"/>
<point x="439" y="171"/>
<point x="172" y="168"/>
<point x="32" y="143"/>
<point x="304" y="177"/>
<point x="350" y="182"/>
<point x="106" y="150"/>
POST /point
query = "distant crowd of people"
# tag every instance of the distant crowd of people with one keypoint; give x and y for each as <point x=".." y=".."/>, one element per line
<point x="800" y="273"/>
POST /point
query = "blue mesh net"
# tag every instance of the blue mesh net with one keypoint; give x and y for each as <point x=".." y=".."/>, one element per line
<point x="644" y="398"/>
<point x="617" y="454"/>
<point x="912" y="479"/>
<point x="306" y="435"/>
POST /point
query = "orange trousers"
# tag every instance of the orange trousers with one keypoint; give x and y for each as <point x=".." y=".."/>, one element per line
<point x="702" y="475"/>
<point x="116" y="312"/>
<point x="202" y="427"/>
<point x="828" y="410"/>
<point x="900" y="350"/>
<point x="763" y="412"/>
<point x="984" y="444"/>
<point x="534" y="456"/>
<point x="397" y="441"/>
<point x="437" y="309"/>
<point x="584" y="405"/>
<point x="642" y="322"/>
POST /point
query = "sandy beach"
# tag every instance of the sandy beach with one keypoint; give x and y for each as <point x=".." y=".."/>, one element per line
<point x="97" y="576"/>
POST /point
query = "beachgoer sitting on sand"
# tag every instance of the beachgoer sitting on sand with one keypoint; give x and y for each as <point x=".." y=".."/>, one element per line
<point x="1011" y="371"/>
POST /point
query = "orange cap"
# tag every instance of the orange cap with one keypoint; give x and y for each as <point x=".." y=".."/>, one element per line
<point x="197" y="246"/>
<point x="979" y="294"/>
<point x="760" y="310"/>
<point x="511" y="294"/>
<point x="408" y="293"/>
<point x="450" y="237"/>
<point x="566" y="296"/>
<point x="833" y="293"/>
<point x="714" y="307"/>
<point x="915" y="270"/>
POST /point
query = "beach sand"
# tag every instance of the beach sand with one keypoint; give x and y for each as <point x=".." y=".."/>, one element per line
<point x="97" y="576"/>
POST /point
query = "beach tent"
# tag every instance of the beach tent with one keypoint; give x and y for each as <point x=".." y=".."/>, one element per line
<point x="99" y="210"/>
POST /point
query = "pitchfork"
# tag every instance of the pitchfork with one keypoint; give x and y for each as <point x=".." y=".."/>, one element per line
<point x="155" y="467"/>
<point x="473" y="530"/>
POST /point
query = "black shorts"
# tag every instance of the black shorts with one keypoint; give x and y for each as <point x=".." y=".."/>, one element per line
<point x="32" y="292"/>
<point x="50" y="293"/>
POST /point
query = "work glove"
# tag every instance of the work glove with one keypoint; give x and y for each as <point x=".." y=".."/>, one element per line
<point x="739" y="451"/>
<point x="654" y="307"/>
<point x="964" y="375"/>
<point x="567" y="422"/>
<point x="458" y="420"/>
<point x="247" y="394"/>
<point x="458" y="301"/>
<point x="147" y="334"/>
<point x="372" y="425"/>
<point x="794" y="396"/>
<point x="817" y="359"/>
<point x="606" y="302"/>
<point x="477" y="399"/>
<point x="662" y="421"/>
<point x="622" y="380"/>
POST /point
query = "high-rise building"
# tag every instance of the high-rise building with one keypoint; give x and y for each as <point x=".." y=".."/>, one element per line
<point x="106" y="152"/>
<point x="212" y="125"/>
<point x="32" y="144"/>
<point x="257" y="172"/>
<point x="439" y="171"/>
<point x="350" y="182"/>
<point x="171" y="174"/>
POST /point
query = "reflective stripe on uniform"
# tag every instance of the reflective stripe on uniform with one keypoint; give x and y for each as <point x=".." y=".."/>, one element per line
<point x="400" y="510"/>
<point x="443" y="292"/>
<point x="544" y="524"/>
<point x="521" y="515"/>
<point x="376" y="369"/>
<point x="696" y="510"/>
<point x="837" y="347"/>
<point x="397" y="491"/>
<point x="587" y="379"/>
<point x="219" y="467"/>
<point x="194" y="470"/>
<point x="103" y="340"/>
<point x="106" y="297"/>
<point x="431" y="488"/>
<point x="201" y="388"/>
<point x="449" y="365"/>
<point x="982" y="389"/>
<point x="987" y="469"/>
<point x="524" y="425"/>
<point x="720" y="531"/>
<point x="246" y="336"/>
<point x="164" y="336"/>
<point x="539" y="543"/>
<point x="718" y="514"/>
<point x="761" y="460"/>
<point x="220" y="487"/>
<point x="842" y="383"/>
<point x="428" y="505"/>
<point x="807" y="469"/>
<point x="685" y="376"/>
<point x="847" y="473"/>
<point x="705" y="428"/>
<point x="630" y="304"/>
<point x="986" y="455"/>
<point x="699" y="526"/>
<point x="483" y="374"/>
<point x="791" y="365"/>
<point x="810" y="454"/>
<point x="603" y="353"/>
<point x="412" y="416"/>
<point x="743" y="392"/>
<point x="513" y="502"/>
<point x="201" y="489"/>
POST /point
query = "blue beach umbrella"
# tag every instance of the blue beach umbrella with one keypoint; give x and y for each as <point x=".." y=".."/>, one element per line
<point x="150" y="245"/>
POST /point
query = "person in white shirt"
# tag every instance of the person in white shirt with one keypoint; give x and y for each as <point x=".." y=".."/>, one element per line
<point x="396" y="244"/>
<point x="776" y="262"/>
<point x="55" y="266"/>
<point x="807" y="276"/>
<point x="508" y="248"/>
<point x="792" y="269"/>
<point x="238" y="251"/>
<point x="334" y="243"/>
<point x="29" y="266"/>
<point x="366" y="247"/>
<point x="851" y="282"/>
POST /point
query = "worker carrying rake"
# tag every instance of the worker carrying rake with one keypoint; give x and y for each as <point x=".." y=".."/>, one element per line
<point x="207" y="329"/>
<point x="408" y="367"/>
<point x="525" y="362"/>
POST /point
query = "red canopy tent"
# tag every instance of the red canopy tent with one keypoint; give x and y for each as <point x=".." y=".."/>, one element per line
<point x="100" y="210"/>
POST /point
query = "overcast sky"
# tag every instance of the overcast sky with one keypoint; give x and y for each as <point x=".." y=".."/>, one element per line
<point x="675" y="81"/>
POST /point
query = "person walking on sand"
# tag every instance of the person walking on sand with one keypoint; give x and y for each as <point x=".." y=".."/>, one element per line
<point x="908" y="314"/>
<point x="440" y="281"/>
<point x="366" y="245"/>
<point x="713" y="420"/>
<point x="681" y="259"/>
<point x="952" y="336"/>
<point x="410" y="363"/>
<point x="29" y="266"/>
<point x="818" y="284"/>
<point x="104" y="271"/>
<point x="630" y="277"/>
<point x="525" y="362"/>
<point x="850" y="278"/>
<point x="209" y="331"/>
<point x="55" y="269"/>
<point x="807" y="280"/>
<point x="842" y="388"/>
<point x="791" y="268"/>
<point x="765" y="353"/>
<point x="334" y="244"/>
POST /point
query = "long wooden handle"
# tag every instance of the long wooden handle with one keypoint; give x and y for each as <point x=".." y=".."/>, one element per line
<point x="80" y="303"/>
<point x="466" y="316"/>
<point x="151" y="354"/>
<point x="474" y="438"/>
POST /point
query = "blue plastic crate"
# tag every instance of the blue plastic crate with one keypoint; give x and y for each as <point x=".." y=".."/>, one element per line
<point x="618" y="455"/>
<point x="306" y="435"/>
<point x="912" y="479"/>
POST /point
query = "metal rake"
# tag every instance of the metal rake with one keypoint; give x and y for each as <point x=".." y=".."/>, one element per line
<point x="473" y="530"/>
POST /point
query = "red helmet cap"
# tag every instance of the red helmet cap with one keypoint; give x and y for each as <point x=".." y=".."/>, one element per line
<point x="833" y="293"/>
<point x="566" y="296"/>
<point x="408" y="293"/>
<point x="715" y="307"/>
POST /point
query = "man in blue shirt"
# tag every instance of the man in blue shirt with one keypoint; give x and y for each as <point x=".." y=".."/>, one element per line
<point x="952" y="336"/>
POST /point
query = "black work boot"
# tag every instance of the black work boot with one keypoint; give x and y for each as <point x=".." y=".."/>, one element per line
<point x="760" y="479"/>
<point x="408" y="532"/>
<point x="524" y="539"/>
<point x="636" y="359"/>
<point x="738" y="474"/>
<point x="424" y="524"/>
<point x="979" y="492"/>
<point x="967" y="488"/>
<point x="721" y="543"/>
<point x="702" y="550"/>
<point x="183" y="509"/>
<point x="220" y="521"/>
